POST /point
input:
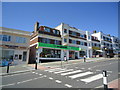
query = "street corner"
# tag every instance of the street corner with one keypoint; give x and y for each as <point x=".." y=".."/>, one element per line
<point x="114" y="84"/>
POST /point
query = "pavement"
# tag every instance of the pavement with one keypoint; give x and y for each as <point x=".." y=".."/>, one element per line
<point x="115" y="84"/>
<point x="18" y="67"/>
<point x="23" y="67"/>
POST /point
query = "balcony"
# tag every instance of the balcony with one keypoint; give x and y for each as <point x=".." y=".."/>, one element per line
<point x="77" y="37"/>
<point x="95" y="40"/>
<point x="65" y="35"/>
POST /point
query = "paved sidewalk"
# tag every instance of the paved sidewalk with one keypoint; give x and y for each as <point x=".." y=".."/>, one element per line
<point x="64" y="63"/>
<point x="115" y="84"/>
<point x="18" y="67"/>
<point x="56" y="64"/>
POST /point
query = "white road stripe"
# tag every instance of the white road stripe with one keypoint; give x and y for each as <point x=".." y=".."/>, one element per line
<point x="82" y="68"/>
<point x="98" y="70"/>
<point x="67" y="85"/>
<point x="56" y="70"/>
<point x="7" y="85"/>
<point x="40" y="74"/>
<point x="93" y="78"/>
<point x="80" y="75"/>
<point x="33" y="72"/>
<point x="63" y="74"/>
<point x="76" y="67"/>
<point x="63" y="71"/>
<point x="24" y="81"/>
<point x="58" y="81"/>
<point x="50" y="78"/>
<point x="30" y="80"/>
<point x="17" y="74"/>
<point x="53" y="69"/>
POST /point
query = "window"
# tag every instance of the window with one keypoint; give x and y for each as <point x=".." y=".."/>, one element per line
<point x="47" y="29"/>
<point x="81" y="43"/>
<point x="1" y="37"/>
<point x="81" y="35"/>
<point x="65" y="40"/>
<point x="56" y="32"/>
<point x="73" y="42"/>
<point x="95" y="44"/>
<point x="5" y="38"/>
<point x="89" y="44"/>
<point x="65" y="30"/>
<point x="85" y="43"/>
<point x="74" y="33"/>
<point x="57" y="42"/>
<point x="20" y="56"/>
<point x="45" y="40"/>
<point x="88" y="37"/>
<point x="20" y="40"/>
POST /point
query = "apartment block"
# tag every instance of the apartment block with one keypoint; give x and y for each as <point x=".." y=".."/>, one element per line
<point x="68" y="43"/>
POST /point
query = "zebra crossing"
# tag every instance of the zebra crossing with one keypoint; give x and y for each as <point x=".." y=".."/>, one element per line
<point x="85" y="76"/>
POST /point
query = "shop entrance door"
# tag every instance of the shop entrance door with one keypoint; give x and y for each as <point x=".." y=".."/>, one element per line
<point x="24" y="56"/>
<point x="76" y="55"/>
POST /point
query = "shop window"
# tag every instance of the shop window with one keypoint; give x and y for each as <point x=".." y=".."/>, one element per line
<point x="20" y="56"/>
<point x="82" y="53"/>
<point x="16" y="56"/>
<point x="50" y="53"/>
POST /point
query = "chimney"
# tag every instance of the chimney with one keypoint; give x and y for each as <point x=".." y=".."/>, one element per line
<point x="36" y="26"/>
<point x="94" y="31"/>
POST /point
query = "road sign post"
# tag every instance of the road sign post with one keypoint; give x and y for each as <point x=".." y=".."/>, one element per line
<point x="36" y="65"/>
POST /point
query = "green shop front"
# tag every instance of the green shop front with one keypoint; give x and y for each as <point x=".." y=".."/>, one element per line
<point x="47" y="51"/>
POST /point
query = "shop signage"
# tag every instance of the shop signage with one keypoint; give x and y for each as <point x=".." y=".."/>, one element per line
<point x="96" y="48"/>
<point x="58" y="46"/>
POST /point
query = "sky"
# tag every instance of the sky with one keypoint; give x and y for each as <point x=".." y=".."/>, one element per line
<point x="87" y="16"/>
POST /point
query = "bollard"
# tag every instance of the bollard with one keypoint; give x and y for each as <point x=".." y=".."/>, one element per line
<point x="36" y="65"/>
<point x="8" y="68"/>
<point x="105" y="80"/>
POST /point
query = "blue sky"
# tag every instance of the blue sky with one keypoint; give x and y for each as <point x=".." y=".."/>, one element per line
<point x="100" y="16"/>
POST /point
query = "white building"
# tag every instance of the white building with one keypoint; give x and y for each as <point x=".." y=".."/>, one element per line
<point x="106" y="43"/>
<point x="76" y="38"/>
<point x="66" y="42"/>
<point x="14" y="44"/>
<point x="115" y="44"/>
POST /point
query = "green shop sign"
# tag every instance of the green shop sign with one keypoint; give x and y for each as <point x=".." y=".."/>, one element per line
<point x="58" y="46"/>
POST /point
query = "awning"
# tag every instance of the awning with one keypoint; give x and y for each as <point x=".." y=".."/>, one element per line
<point x="99" y="50"/>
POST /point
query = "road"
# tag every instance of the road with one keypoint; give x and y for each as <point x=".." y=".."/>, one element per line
<point x="78" y="75"/>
